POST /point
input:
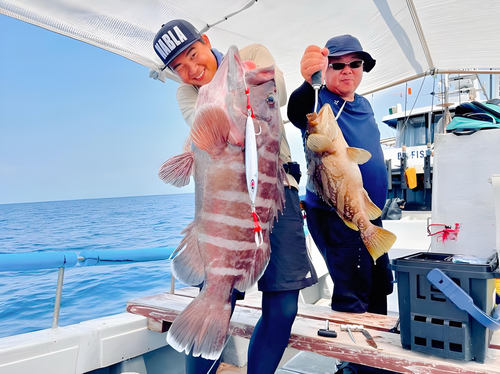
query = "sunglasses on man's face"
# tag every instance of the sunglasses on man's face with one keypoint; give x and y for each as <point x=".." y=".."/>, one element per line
<point x="341" y="65"/>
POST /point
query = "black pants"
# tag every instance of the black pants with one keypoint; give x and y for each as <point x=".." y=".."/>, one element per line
<point x="359" y="284"/>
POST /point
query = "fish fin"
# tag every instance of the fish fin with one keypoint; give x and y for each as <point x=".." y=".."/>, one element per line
<point x="372" y="210"/>
<point x="201" y="328"/>
<point x="177" y="170"/>
<point x="210" y="128"/>
<point x="279" y="198"/>
<point x="280" y="187"/>
<point x="260" y="261"/>
<point x="358" y="155"/>
<point x="187" y="265"/>
<point x="377" y="240"/>
<point x="350" y="224"/>
<point x="319" y="143"/>
<point x="182" y="244"/>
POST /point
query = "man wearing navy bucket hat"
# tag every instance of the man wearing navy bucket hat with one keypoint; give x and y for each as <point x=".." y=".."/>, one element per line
<point x="190" y="56"/>
<point x="360" y="285"/>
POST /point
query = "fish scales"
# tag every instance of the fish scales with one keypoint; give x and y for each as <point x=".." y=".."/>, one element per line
<point x="219" y="247"/>
<point x="335" y="175"/>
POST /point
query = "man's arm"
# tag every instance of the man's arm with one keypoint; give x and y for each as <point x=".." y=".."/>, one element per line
<point x="261" y="56"/>
<point x="186" y="98"/>
<point x="302" y="99"/>
<point x="300" y="104"/>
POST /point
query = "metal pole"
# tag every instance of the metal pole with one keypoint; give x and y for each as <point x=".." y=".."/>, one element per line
<point x="57" y="304"/>
<point x="491" y="85"/>
<point x="172" y="285"/>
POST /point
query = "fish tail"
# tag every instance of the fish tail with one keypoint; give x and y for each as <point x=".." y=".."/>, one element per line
<point x="377" y="240"/>
<point x="201" y="328"/>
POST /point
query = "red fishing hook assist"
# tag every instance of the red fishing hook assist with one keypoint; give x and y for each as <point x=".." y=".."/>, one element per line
<point x="249" y="107"/>
<point x="445" y="234"/>
<point x="257" y="229"/>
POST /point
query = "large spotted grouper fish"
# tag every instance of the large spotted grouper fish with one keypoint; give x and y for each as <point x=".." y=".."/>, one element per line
<point x="334" y="171"/>
<point x="220" y="245"/>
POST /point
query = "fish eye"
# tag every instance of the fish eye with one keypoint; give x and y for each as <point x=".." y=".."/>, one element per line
<point x="271" y="101"/>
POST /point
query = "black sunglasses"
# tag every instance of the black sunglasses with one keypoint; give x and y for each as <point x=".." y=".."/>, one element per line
<point x="341" y="65"/>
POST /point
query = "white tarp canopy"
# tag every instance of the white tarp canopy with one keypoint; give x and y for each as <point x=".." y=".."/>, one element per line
<point x="407" y="38"/>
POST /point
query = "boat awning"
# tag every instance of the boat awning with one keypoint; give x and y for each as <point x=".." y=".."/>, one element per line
<point x="407" y="38"/>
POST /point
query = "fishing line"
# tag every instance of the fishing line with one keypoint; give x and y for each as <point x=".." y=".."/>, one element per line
<point x="414" y="103"/>
<point x="340" y="111"/>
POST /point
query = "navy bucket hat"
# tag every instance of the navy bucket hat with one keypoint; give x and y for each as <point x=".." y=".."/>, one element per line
<point x="173" y="38"/>
<point x="344" y="44"/>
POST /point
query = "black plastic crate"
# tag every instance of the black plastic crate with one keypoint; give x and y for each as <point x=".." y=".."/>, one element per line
<point x="429" y="321"/>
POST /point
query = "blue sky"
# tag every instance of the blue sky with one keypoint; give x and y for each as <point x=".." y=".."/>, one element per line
<point x="79" y="122"/>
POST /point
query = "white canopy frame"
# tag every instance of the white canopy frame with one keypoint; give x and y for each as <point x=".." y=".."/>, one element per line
<point x="409" y="39"/>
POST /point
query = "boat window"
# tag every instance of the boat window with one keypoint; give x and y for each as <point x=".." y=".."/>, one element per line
<point x="412" y="132"/>
<point x="437" y="125"/>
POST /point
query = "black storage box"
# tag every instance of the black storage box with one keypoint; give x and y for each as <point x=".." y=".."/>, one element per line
<point x="429" y="321"/>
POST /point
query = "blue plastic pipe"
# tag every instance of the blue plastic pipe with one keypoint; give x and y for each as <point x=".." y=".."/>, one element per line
<point x="107" y="257"/>
<point x="37" y="260"/>
<point x="54" y="260"/>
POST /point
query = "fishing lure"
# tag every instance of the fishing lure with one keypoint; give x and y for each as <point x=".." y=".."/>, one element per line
<point x="252" y="168"/>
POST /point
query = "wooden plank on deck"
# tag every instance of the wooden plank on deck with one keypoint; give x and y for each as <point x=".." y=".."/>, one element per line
<point x="163" y="308"/>
<point x="319" y="312"/>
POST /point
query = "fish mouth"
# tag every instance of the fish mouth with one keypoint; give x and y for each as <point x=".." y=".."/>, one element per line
<point x="258" y="118"/>
<point x="265" y="119"/>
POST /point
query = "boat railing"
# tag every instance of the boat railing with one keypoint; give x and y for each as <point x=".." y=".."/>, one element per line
<point x="62" y="260"/>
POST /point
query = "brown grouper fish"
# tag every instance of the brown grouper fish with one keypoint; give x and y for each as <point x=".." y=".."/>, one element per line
<point x="219" y="247"/>
<point x="334" y="171"/>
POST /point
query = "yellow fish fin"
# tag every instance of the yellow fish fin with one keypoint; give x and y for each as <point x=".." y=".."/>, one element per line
<point x="358" y="155"/>
<point x="350" y="224"/>
<point x="378" y="241"/>
<point x="372" y="210"/>
<point x="319" y="143"/>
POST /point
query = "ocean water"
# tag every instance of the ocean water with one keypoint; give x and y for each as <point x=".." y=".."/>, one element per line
<point x="27" y="298"/>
